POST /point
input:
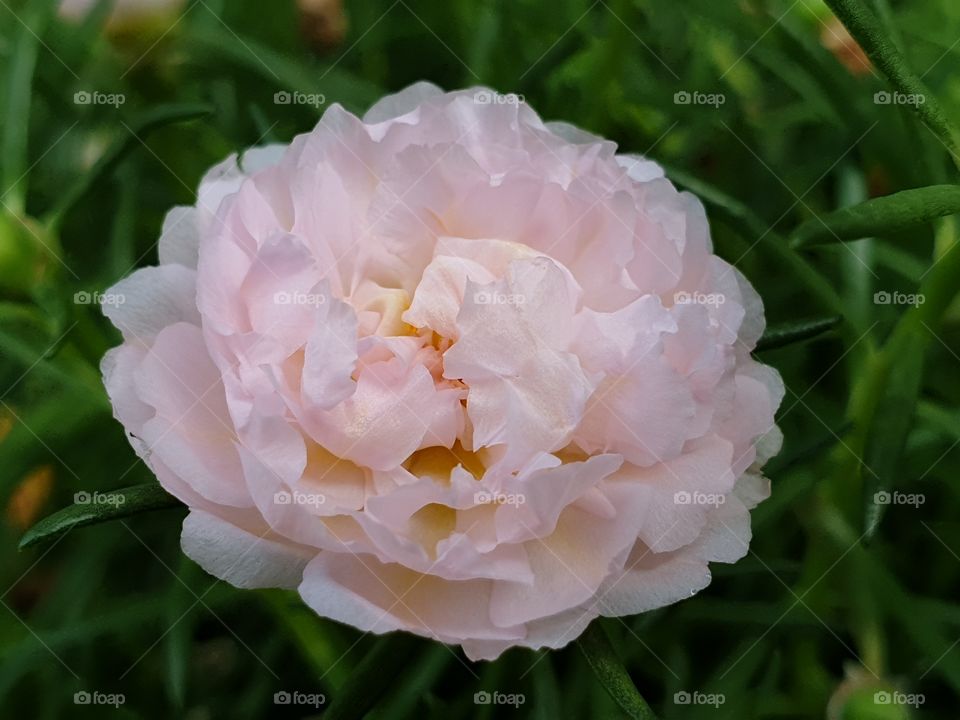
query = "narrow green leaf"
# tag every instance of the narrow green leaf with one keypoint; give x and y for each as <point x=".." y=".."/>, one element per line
<point x="93" y="508"/>
<point x="778" y="336"/>
<point x="898" y="376"/>
<point x="423" y="676"/>
<point x="869" y="34"/>
<point x="372" y="678"/>
<point x="180" y="613"/>
<point x="141" y="127"/>
<point x="31" y="23"/>
<point x="923" y="630"/>
<point x="288" y="74"/>
<point x="20" y="656"/>
<point x="893" y="415"/>
<point x="27" y="352"/>
<point x="314" y="637"/>
<point x="940" y="419"/>
<point x="730" y="206"/>
<point x="549" y="699"/>
<point x="880" y="216"/>
<point x="790" y="457"/>
<point x="605" y="664"/>
<point x="760" y="233"/>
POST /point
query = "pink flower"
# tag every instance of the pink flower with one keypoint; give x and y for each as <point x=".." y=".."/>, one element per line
<point x="451" y="370"/>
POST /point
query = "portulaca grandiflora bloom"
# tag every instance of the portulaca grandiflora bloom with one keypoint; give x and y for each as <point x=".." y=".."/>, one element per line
<point x="452" y="370"/>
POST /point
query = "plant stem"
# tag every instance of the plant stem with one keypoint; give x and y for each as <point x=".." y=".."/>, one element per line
<point x="867" y="31"/>
<point x="373" y="677"/>
<point x="605" y="664"/>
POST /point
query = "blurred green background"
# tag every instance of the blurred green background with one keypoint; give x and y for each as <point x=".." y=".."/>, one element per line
<point x="835" y="601"/>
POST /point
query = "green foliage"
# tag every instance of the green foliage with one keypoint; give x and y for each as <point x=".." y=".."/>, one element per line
<point x="837" y="203"/>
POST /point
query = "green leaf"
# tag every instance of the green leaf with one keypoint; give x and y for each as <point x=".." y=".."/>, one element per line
<point x="870" y="35"/>
<point x="923" y="630"/>
<point x="31" y="23"/>
<point x="139" y="128"/>
<point x="18" y="657"/>
<point x="605" y="664"/>
<point x="778" y="336"/>
<point x="760" y="233"/>
<point x="95" y="509"/>
<point x="897" y="379"/>
<point x="424" y="675"/>
<point x="315" y="638"/>
<point x="180" y="613"/>
<point x="372" y="678"/>
<point x="881" y="216"/>
<point x="893" y="415"/>
<point x="288" y="74"/>
<point x="549" y="698"/>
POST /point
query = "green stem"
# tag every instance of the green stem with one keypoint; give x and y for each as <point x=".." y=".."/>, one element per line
<point x="373" y="677"/>
<point x="778" y="336"/>
<point x="867" y="31"/>
<point x="605" y="664"/>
